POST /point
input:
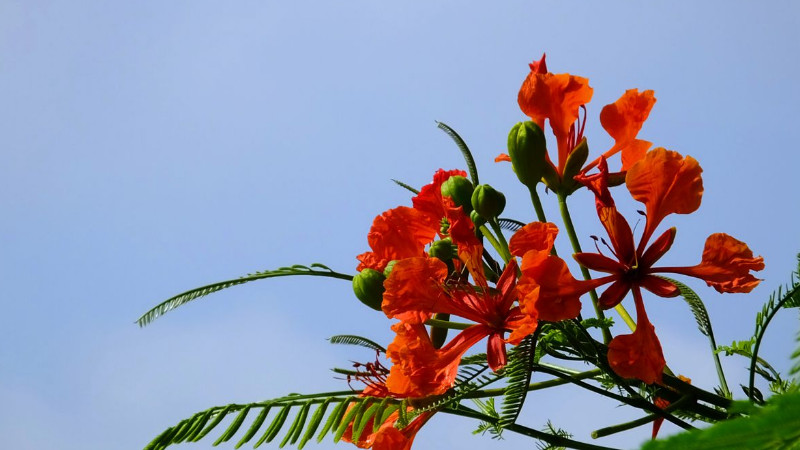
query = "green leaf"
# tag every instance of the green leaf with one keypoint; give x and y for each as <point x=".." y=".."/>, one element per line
<point x="259" y="420"/>
<point x="405" y="186"/>
<point x="776" y="426"/>
<point x="349" y="339"/>
<point x="518" y="371"/>
<point x="171" y="303"/>
<point x="473" y="170"/>
<point x="316" y="419"/>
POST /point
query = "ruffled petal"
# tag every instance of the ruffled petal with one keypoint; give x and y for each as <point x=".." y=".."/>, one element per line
<point x="557" y="98"/>
<point x="398" y="233"/>
<point x="533" y="236"/>
<point x="666" y="183"/>
<point x="726" y="265"/>
<point x="558" y="294"/>
<point x="638" y="355"/>
<point x="623" y="119"/>
<point x="414" y="289"/>
<point x="420" y="370"/>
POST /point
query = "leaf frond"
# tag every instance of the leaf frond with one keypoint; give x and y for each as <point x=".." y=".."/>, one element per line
<point x="518" y="372"/>
<point x="473" y="170"/>
<point x="405" y="186"/>
<point x="350" y="339"/>
<point x="171" y="303"/>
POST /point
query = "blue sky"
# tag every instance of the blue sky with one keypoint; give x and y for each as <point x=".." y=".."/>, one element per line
<point x="151" y="147"/>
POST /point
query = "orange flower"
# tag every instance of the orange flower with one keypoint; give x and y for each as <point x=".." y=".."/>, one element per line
<point x="419" y="287"/>
<point x="404" y="232"/>
<point x="666" y="183"/>
<point x="388" y="437"/>
<point x="559" y="99"/>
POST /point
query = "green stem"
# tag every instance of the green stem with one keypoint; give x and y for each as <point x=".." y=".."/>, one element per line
<point x="535" y="386"/>
<point x="506" y="254"/>
<point x="447" y="324"/>
<point x="497" y="246"/>
<point x="552" y="439"/>
<point x="607" y="431"/>
<point x="576" y="247"/>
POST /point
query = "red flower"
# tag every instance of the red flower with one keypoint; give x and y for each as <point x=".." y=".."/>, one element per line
<point x="559" y="99"/>
<point x="666" y="183"/>
<point x="419" y="287"/>
<point x="404" y="232"/>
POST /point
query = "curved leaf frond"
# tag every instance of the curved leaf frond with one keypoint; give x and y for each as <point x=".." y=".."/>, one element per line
<point x="351" y="412"/>
<point x="518" y="371"/>
<point x="316" y="269"/>
<point x="510" y="224"/>
<point x="473" y="170"/>
<point x="350" y="339"/>
<point x="405" y="186"/>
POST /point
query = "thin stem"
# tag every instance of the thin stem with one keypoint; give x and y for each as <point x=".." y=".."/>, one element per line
<point x="576" y="247"/>
<point x="447" y="324"/>
<point x="607" y="431"/>
<point x="535" y="386"/>
<point x="552" y="439"/>
<point x="497" y="246"/>
<point x="506" y="253"/>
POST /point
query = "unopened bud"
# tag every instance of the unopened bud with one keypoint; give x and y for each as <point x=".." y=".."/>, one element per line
<point x="460" y="190"/>
<point x="528" y="151"/>
<point x="488" y="202"/>
<point x="444" y="250"/>
<point x="368" y="287"/>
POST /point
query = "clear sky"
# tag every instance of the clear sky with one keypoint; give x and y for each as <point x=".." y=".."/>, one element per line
<point x="150" y="147"/>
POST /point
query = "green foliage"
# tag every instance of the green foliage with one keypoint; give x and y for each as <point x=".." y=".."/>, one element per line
<point x="473" y="170"/>
<point x="353" y="413"/>
<point x="510" y="224"/>
<point x="518" y="372"/>
<point x="349" y="339"/>
<point x="315" y="269"/>
<point x="405" y="186"/>
<point x="487" y="407"/>
<point x="776" y="426"/>
<point x="555" y="431"/>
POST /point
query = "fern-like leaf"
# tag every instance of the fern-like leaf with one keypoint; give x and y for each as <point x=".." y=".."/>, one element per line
<point x="405" y="186"/>
<point x="316" y="269"/>
<point x="518" y="371"/>
<point x="350" y="339"/>
<point x="510" y="224"/>
<point x="473" y="170"/>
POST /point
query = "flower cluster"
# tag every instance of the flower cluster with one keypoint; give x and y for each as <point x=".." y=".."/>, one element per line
<point x="427" y="262"/>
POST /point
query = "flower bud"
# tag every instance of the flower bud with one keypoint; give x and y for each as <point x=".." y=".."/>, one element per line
<point x="528" y="152"/>
<point x="460" y="190"/>
<point x="368" y="287"/>
<point x="487" y="201"/>
<point x="388" y="269"/>
<point x="444" y="250"/>
<point x="575" y="161"/>
<point x="476" y="218"/>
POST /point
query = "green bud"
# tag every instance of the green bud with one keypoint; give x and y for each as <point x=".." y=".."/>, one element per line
<point x="444" y="250"/>
<point x="575" y="161"/>
<point x="476" y="218"/>
<point x="488" y="202"/>
<point x="460" y="190"/>
<point x="528" y="151"/>
<point x="389" y="268"/>
<point x="368" y="287"/>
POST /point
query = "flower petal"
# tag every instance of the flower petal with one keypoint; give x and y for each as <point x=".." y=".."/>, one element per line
<point x="557" y="98"/>
<point x="638" y="355"/>
<point x="624" y="118"/>
<point x="726" y="265"/>
<point x="533" y="236"/>
<point x="598" y="262"/>
<point x="666" y="183"/>
<point x="614" y="294"/>
<point x="414" y="289"/>
<point x="558" y="295"/>
<point x="398" y="233"/>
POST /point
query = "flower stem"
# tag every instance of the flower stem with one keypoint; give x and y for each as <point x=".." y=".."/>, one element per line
<point x="497" y="246"/>
<point x="607" y="431"/>
<point x="576" y="247"/>
<point x="535" y="386"/>
<point x="447" y="324"/>
<point x="552" y="439"/>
